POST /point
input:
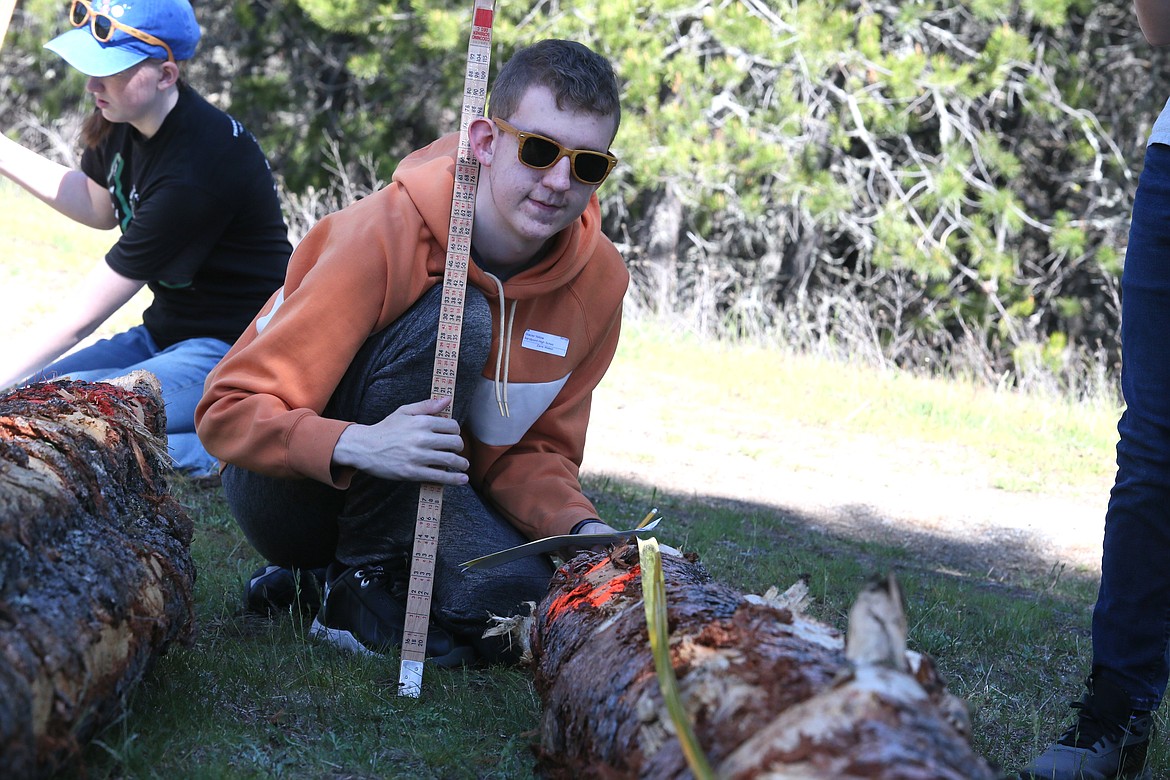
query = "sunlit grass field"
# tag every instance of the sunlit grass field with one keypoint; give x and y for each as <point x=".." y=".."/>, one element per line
<point x="255" y="698"/>
<point x="1037" y="443"/>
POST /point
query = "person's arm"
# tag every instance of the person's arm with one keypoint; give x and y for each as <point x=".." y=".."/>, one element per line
<point x="100" y="294"/>
<point x="262" y="406"/>
<point x="1154" y="19"/>
<point x="67" y="190"/>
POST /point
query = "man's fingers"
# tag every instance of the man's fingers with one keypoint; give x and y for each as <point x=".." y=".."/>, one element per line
<point x="450" y="443"/>
<point x="429" y="406"/>
<point x="441" y="477"/>
<point x="441" y="458"/>
<point x="429" y="410"/>
<point x="451" y="461"/>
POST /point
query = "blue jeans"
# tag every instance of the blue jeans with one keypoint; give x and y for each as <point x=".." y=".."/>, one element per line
<point x="181" y="370"/>
<point x="1131" y="620"/>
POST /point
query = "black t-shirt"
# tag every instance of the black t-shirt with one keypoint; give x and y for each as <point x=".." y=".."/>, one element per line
<point x="200" y="218"/>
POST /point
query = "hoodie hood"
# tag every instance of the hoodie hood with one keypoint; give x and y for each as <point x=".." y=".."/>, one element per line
<point x="428" y="176"/>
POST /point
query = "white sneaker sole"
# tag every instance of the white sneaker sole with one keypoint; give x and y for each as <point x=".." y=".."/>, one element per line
<point x="339" y="638"/>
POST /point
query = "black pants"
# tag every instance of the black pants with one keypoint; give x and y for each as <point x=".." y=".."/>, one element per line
<point x="305" y="523"/>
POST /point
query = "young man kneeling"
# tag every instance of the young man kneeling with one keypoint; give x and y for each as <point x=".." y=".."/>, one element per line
<point x="322" y="409"/>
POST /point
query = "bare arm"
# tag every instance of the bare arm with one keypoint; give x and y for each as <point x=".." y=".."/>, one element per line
<point x="1154" y="19"/>
<point x="100" y="294"/>
<point x="67" y="190"/>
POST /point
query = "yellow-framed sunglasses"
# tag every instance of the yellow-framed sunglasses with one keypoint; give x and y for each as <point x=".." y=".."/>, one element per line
<point x="102" y="25"/>
<point x="541" y="152"/>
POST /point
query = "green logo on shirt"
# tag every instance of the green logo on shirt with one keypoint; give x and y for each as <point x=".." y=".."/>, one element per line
<point x="121" y="202"/>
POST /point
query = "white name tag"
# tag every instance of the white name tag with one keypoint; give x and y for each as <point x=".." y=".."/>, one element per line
<point x="546" y="343"/>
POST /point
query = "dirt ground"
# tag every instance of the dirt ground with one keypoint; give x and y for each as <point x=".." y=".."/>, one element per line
<point x="936" y="501"/>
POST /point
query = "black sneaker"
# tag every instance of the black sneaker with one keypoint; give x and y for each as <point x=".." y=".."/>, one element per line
<point x="274" y="590"/>
<point x="1108" y="741"/>
<point x="365" y="611"/>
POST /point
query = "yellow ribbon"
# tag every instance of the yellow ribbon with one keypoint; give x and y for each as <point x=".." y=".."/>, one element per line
<point x="654" y="598"/>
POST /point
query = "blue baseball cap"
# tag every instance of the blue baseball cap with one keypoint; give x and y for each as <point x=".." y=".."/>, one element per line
<point x="172" y="21"/>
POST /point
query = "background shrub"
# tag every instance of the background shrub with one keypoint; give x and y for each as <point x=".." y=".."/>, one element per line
<point x="944" y="186"/>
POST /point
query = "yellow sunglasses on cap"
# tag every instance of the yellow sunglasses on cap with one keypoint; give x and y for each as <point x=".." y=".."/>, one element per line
<point x="102" y="25"/>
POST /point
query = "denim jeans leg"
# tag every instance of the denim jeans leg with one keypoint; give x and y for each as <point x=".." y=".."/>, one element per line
<point x="1131" y="620"/>
<point x="104" y="358"/>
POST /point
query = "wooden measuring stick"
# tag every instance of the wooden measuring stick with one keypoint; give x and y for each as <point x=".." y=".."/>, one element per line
<point x="430" y="500"/>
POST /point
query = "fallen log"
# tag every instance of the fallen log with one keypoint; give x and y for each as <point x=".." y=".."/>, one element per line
<point x="96" y="577"/>
<point x="769" y="691"/>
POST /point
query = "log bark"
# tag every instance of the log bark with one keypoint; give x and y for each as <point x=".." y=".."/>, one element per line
<point x="96" y="577"/>
<point x="771" y="692"/>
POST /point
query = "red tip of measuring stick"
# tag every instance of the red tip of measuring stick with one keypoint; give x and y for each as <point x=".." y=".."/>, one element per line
<point x="483" y="17"/>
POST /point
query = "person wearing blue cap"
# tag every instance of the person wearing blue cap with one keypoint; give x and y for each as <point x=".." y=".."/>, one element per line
<point x="194" y="198"/>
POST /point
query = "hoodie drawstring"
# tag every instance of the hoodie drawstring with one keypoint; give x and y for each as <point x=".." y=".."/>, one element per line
<point x="504" y="351"/>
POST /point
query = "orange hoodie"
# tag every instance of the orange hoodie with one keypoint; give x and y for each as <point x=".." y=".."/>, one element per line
<point x="361" y="268"/>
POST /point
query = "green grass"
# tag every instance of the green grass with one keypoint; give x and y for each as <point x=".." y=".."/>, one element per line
<point x="255" y="698"/>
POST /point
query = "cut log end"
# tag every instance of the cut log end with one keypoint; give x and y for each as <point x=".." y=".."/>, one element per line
<point x="96" y="578"/>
